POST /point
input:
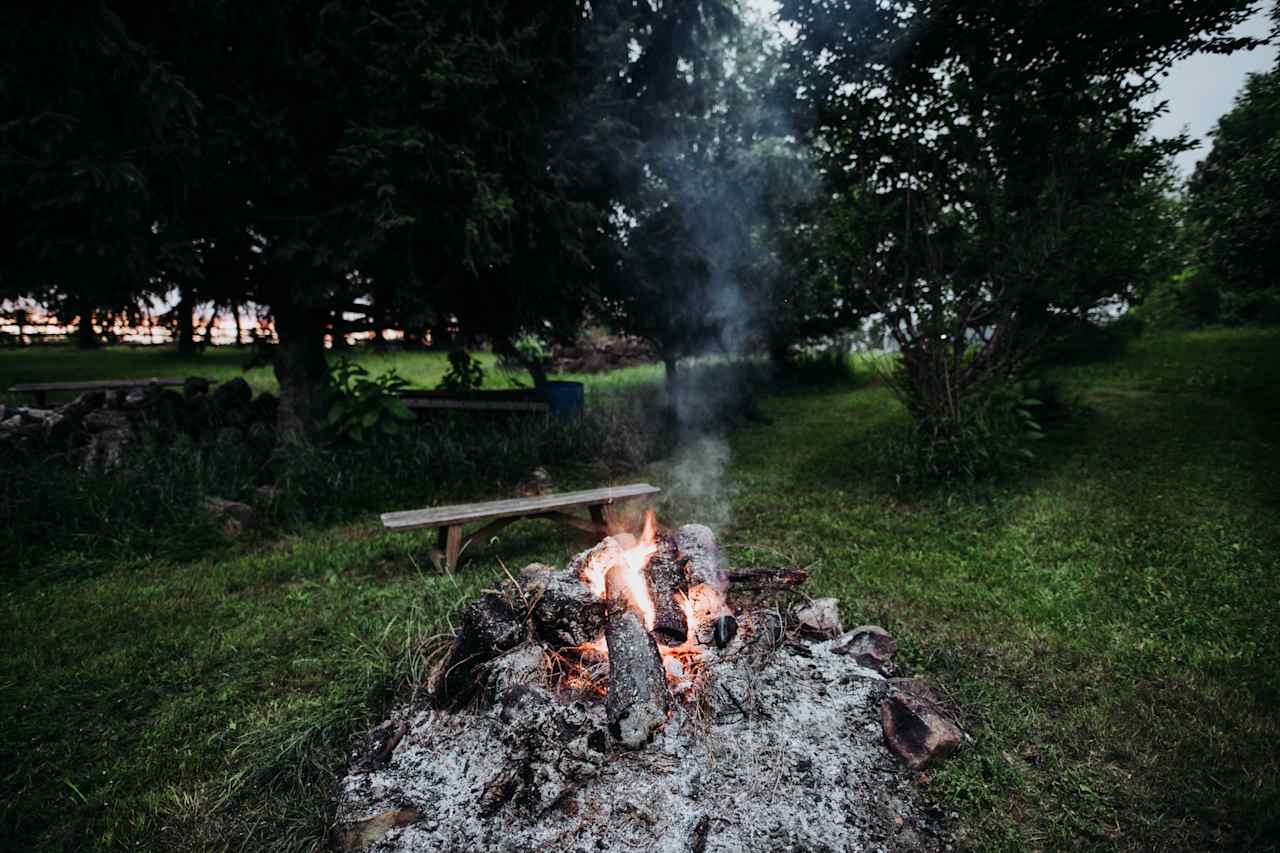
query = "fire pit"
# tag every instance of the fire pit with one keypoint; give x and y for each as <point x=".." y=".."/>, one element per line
<point x="647" y="697"/>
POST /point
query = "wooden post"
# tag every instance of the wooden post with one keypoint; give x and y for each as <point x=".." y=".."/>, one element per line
<point x="600" y="518"/>
<point x="452" y="547"/>
<point x="41" y="398"/>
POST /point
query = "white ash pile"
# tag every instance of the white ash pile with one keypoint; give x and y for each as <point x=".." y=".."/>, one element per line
<point x="646" y="697"/>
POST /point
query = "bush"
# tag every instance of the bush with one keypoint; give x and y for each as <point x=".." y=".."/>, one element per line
<point x="985" y="442"/>
<point x="153" y="505"/>
<point x="1260" y="306"/>
<point x="362" y="408"/>
<point x="465" y="373"/>
<point x="1079" y="341"/>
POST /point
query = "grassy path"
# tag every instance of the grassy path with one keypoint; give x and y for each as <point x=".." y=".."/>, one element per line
<point x="1106" y="627"/>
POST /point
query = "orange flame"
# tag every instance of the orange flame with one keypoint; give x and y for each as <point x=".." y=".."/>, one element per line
<point x="630" y="561"/>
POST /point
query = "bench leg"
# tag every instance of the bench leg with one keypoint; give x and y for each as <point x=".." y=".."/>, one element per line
<point x="600" y="517"/>
<point x="452" y="546"/>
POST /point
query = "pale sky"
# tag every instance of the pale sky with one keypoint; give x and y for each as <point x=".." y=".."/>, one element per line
<point x="1202" y="88"/>
<point x="1198" y="90"/>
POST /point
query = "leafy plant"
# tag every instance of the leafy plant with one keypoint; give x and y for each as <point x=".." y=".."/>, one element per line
<point x="361" y="407"/>
<point x="465" y="373"/>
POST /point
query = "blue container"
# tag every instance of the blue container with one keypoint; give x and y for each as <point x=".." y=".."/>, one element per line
<point x="565" y="398"/>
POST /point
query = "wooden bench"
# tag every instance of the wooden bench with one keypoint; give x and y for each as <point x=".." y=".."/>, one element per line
<point x="451" y="519"/>
<point x="425" y="403"/>
<point x="39" y="391"/>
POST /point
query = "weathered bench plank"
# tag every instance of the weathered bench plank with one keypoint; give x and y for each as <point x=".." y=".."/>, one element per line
<point x="421" y="403"/>
<point x="460" y="513"/>
<point x="450" y="519"/>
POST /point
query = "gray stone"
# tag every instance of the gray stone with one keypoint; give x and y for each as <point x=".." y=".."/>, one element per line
<point x="266" y="495"/>
<point x="820" y="617"/>
<point x="59" y="427"/>
<point x="135" y="399"/>
<point x="84" y="404"/>
<point x="233" y="394"/>
<point x="870" y="645"/>
<point x="916" y="730"/>
<point x="106" y="450"/>
<point x="233" y="517"/>
<point x="104" y="420"/>
<point x="356" y="836"/>
<point x="194" y="386"/>
<point x="229" y="436"/>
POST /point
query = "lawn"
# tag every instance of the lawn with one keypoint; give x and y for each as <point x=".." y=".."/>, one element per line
<point x="421" y="369"/>
<point x="1104" y="626"/>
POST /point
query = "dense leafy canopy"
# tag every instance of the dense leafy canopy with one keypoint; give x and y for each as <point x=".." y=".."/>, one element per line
<point x="500" y="169"/>
<point x="1235" y="203"/>
<point x="989" y="168"/>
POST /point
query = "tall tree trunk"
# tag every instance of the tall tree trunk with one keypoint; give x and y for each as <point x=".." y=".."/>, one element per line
<point x="209" y="327"/>
<point x="235" y="312"/>
<point x="86" y="337"/>
<point x="672" y="365"/>
<point x="186" y="324"/>
<point x="301" y="370"/>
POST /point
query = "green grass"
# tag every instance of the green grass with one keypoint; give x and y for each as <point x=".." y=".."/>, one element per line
<point x="1105" y="628"/>
<point x="421" y="369"/>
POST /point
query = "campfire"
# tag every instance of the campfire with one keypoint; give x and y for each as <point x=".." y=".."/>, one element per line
<point x="643" y="694"/>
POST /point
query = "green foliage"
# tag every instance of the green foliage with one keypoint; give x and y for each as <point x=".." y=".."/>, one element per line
<point x="992" y="439"/>
<point x="1105" y="630"/>
<point x="361" y="408"/>
<point x="988" y="172"/>
<point x="1234" y="198"/>
<point x="1168" y="305"/>
<point x="465" y="373"/>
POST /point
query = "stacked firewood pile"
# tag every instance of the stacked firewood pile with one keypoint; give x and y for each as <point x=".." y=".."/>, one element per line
<point x="645" y="694"/>
<point x="99" y="427"/>
<point x="598" y="353"/>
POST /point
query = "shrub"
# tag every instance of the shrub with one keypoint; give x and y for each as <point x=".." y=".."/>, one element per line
<point x="153" y="505"/>
<point x="465" y="373"/>
<point x="981" y="442"/>
<point x="362" y="408"/>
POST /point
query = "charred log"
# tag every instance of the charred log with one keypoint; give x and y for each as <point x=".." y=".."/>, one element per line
<point x="725" y="629"/>
<point x="668" y="579"/>
<point x="698" y="545"/>
<point x="490" y="626"/>
<point x="566" y="613"/>
<point x="638" y="700"/>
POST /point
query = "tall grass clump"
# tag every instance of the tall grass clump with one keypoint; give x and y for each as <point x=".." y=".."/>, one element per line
<point x="153" y="505"/>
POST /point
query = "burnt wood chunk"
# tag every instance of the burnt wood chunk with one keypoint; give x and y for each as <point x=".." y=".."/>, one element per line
<point x="490" y="626"/>
<point x="566" y="613"/>
<point x="725" y="629"/>
<point x="668" y="579"/>
<point x="698" y="545"/>
<point x="638" y="700"/>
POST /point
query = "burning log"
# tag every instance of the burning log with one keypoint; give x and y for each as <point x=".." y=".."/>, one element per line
<point x="769" y="580"/>
<point x="566" y="613"/>
<point x="698" y="545"/>
<point x="637" y="703"/>
<point x="668" y="579"/>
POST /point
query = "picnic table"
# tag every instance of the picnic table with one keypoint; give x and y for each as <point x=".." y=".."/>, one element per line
<point x="39" y="391"/>
<point x="450" y="520"/>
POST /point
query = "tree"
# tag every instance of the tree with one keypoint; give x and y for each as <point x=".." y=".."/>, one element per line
<point x="1234" y="203"/>
<point x="717" y="174"/>
<point x="988" y="164"/>
<point x="92" y="120"/>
